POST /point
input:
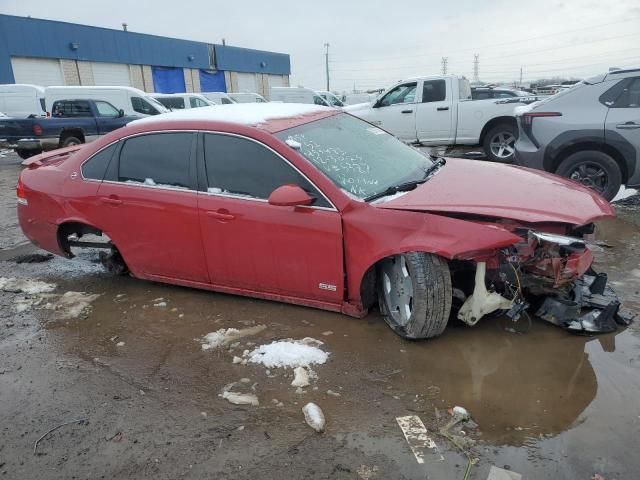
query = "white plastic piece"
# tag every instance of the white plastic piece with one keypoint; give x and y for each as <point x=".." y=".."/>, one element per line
<point x="314" y="417"/>
<point x="481" y="301"/>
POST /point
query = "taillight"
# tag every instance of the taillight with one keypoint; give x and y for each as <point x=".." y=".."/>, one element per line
<point x="20" y="192"/>
<point x="527" y="118"/>
<point x="37" y="129"/>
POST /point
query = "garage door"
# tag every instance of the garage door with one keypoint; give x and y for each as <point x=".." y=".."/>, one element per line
<point x="110" y="74"/>
<point x="276" y="81"/>
<point x="247" y="83"/>
<point x="38" y="71"/>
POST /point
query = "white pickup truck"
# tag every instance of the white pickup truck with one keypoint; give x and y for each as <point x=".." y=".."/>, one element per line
<point x="438" y="110"/>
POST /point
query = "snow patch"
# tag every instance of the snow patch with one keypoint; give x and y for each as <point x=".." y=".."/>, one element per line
<point x="301" y="377"/>
<point x="388" y="198"/>
<point x="72" y="304"/>
<point x="289" y="354"/>
<point x="30" y="287"/>
<point x="241" y="398"/>
<point x="624" y="193"/>
<point x="226" y="336"/>
<point x="314" y="416"/>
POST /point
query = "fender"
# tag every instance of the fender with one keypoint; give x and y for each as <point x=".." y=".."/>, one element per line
<point x="406" y="231"/>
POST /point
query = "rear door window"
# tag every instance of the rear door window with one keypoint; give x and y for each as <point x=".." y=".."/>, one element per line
<point x="434" y="91"/>
<point x="96" y="167"/>
<point x="81" y="109"/>
<point x="160" y="159"/>
<point x="630" y="95"/>
<point x="241" y="167"/>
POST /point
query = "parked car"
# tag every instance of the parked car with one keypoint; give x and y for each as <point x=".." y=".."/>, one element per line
<point x="356" y="98"/>
<point x="312" y="206"/>
<point x="331" y="98"/>
<point x="22" y="101"/>
<point x="128" y="99"/>
<point x="589" y="132"/>
<point x="483" y="93"/>
<point x="72" y="122"/>
<point x="180" y="101"/>
<point x="218" y="98"/>
<point x="297" y="95"/>
<point x="438" y="110"/>
<point x="244" y="97"/>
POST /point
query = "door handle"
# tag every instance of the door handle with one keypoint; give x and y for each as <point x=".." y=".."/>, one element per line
<point x="628" y="126"/>
<point x="111" y="200"/>
<point x="406" y="111"/>
<point x="442" y="109"/>
<point x="220" y="215"/>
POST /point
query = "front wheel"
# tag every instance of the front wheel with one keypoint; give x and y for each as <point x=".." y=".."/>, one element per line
<point x="500" y="143"/>
<point x="414" y="294"/>
<point x="71" y="141"/>
<point x="593" y="169"/>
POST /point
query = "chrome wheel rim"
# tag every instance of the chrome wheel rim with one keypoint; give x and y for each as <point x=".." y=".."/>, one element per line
<point x="503" y="145"/>
<point x="397" y="289"/>
<point x="591" y="175"/>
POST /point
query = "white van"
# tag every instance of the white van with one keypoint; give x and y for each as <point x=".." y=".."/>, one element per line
<point x="297" y="95"/>
<point x="247" y="97"/>
<point x="131" y="100"/>
<point x="180" y="101"/>
<point x="22" y="100"/>
<point x="219" y="98"/>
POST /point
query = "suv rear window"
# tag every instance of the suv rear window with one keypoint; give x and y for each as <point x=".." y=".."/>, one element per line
<point x="157" y="159"/>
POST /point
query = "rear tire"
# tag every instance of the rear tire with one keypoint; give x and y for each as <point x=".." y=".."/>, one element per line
<point x="499" y="143"/>
<point x="70" y="141"/>
<point x="24" y="154"/>
<point x="414" y="292"/>
<point x="593" y="169"/>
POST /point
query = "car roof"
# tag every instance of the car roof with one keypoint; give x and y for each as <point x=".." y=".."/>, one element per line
<point x="272" y="117"/>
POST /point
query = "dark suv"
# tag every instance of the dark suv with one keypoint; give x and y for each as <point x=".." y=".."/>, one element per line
<point x="589" y="132"/>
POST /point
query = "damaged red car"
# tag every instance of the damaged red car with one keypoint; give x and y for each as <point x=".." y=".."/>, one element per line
<point x="312" y="206"/>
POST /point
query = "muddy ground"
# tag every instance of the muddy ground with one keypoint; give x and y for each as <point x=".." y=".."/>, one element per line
<point x="545" y="403"/>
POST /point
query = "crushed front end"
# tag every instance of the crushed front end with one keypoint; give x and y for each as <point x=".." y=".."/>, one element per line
<point x="549" y="272"/>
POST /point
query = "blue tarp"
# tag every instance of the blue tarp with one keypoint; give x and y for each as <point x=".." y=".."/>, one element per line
<point x="212" y="81"/>
<point x="168" y="80"/>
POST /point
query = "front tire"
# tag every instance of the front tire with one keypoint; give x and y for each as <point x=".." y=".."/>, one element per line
<point x="500" y="143"/>
<point x="70" y="141"/>
<point x="593" y="169"/>
<point x="414" y="293"/>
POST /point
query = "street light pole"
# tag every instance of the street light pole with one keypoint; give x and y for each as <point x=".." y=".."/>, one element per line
<point x="326" y="63"/>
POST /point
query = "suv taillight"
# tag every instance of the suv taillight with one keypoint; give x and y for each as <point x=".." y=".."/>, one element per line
<point x="527" y="118"/>
<point x="37" y="129"/>
<point x="20" y="192"/>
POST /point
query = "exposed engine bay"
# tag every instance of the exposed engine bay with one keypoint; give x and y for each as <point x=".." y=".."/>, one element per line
<point x="549" y="274"/>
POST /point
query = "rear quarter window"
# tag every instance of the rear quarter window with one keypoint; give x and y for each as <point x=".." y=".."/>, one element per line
<point x="96" y="167"/>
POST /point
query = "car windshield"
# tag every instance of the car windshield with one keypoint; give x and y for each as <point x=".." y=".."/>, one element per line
<point x="358" y="157"/>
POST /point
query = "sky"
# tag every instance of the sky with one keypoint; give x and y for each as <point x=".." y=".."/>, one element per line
<point x="375" y="43"/>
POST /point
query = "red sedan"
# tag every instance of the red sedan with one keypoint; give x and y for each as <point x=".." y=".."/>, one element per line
<point x="312" y="206"/>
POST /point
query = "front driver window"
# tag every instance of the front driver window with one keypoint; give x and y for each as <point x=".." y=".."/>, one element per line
<point x="401" y="94"/>
<point x="105" y="109"/>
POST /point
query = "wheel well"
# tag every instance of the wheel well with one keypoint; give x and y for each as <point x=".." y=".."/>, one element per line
<point x="79" y="134"/>
<point x="496" y="121"/>
<point x="585" y="146"/>
<point x="69" y="228"/>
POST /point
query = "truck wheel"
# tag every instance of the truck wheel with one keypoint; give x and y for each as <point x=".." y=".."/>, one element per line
<point x="414" y="293"/>
<point x="24" y="154"/>
<point x="595" y="170"/>
<point x="70" y="141"/>
<point x="500" y="143"/>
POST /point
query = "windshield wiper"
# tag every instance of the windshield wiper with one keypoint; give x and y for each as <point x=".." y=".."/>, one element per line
<point x="406" y="186"/>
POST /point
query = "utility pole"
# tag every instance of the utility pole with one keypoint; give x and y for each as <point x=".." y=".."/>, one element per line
<point x="476" y="68"/>
<point x="444" y="65"/>
<point x="326" y="63"/>
<point x="520" y="84"/>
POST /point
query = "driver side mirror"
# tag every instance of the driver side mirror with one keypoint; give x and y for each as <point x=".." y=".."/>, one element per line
<point x="121" y="113"/>
<point x="290" y="196"/>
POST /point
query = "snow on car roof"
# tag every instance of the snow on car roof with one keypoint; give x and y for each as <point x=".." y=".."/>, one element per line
<point x="240" y="113"/>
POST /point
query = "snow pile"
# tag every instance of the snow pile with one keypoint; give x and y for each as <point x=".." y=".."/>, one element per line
<point x="624" y="193"/>
<point x="30" y="287"/>
<point x="289" y="354"/>
<point x="314" y="416"/>
<point x="301" y="377"/>
<point x="241" y="113"/>
<point x="226" y="336"/>
<point x="241" y="398"/>
<point x="72" y="304"/>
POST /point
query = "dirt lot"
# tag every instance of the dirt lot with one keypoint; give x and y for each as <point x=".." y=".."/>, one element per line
<point x="146" y="396"/>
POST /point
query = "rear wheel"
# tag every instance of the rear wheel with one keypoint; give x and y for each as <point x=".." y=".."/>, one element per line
<point x="500" y="143"/>
<point x="593" y="169"/>
<point x="70" y="141"/>
<point x="24" y="154"/>
<point x="414" y="294"/>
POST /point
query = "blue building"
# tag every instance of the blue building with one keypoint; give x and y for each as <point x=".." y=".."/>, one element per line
<point x="46" y="52"/>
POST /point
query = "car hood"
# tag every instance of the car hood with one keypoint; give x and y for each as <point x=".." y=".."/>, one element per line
<point x="503" y="191"/>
